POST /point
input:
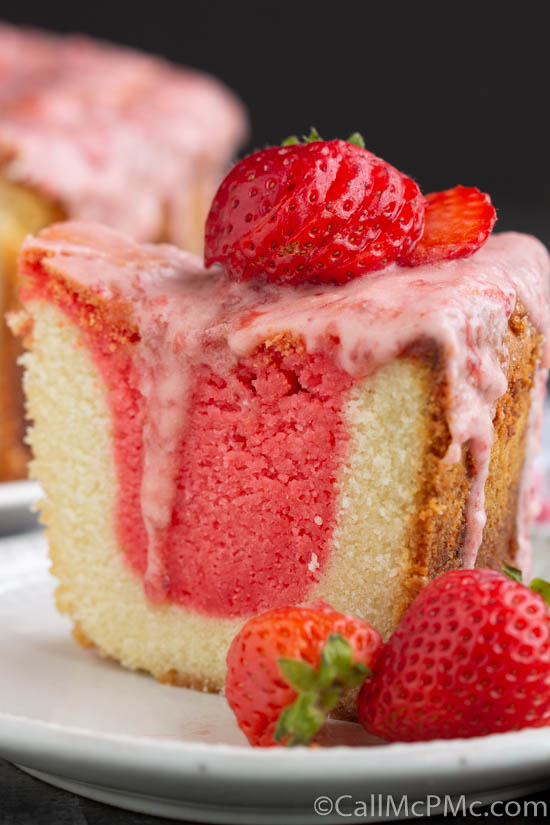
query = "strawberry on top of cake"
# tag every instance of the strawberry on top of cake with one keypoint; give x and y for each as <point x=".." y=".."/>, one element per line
<point x="291" y="424"/>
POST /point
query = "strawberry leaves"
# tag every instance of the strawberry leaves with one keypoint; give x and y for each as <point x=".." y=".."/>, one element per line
<point x="540" y="586"/>
<point x="288" y="667"/>
<point x="513" y="573"/>
<point x="293" y="140"/>
<point x="356" y="139"/>
<point x="319" y="689"/>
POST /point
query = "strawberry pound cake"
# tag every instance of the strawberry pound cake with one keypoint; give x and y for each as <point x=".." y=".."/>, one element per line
<point x="97" y="132"/>
<point x="211" y="448"/>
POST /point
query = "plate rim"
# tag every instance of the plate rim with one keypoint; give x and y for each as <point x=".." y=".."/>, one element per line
<point x="20" y="493"/>
<point x="251" y="815"/>
<point x="532" y="744"/>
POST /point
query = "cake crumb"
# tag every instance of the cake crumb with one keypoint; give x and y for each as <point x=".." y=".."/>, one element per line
<point x="318" y="520"/>
<point x="314" y="563"/>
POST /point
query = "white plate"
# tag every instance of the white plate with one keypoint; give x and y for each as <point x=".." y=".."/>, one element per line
<point x="16" y="500"/>
<point x="84" y="724"/>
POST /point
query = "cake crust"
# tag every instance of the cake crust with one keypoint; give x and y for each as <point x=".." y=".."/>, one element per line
<point x="439" y="529"/>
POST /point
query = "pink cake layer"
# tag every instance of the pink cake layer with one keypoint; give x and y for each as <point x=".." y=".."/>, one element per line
<point x="228" y="398"/>
<point x="273" y="425"/>
<point x="110" y="134"/>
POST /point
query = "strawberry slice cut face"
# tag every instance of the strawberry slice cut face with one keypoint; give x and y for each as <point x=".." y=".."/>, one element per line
<point x="457" y="223"/>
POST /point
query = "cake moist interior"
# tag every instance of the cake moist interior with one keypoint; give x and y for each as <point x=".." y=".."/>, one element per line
<point x="263" y="437"/>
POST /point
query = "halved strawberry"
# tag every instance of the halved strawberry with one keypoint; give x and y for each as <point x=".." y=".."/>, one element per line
<point x="319" y="211"/>
<point x="457" y="223"/>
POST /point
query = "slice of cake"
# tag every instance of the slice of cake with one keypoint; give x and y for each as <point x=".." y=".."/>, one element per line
<point x="212" y="448"/>
<point x="97" y="132"/>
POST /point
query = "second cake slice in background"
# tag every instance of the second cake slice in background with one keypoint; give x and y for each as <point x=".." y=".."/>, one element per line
<point x="99" y="132"/>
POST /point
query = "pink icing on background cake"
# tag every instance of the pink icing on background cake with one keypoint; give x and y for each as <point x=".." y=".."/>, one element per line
<point x="94" y="131"/>
<point x="113" y="135"/>
<point x="210" y="449"/>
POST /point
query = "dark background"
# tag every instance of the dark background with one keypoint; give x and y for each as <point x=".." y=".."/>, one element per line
<point x="449" y="92"/>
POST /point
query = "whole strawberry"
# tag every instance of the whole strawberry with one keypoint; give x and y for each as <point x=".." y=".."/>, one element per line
<point x="471" y="656"/>
<point x="320" y="211"/>
<point x="287" y="668"/>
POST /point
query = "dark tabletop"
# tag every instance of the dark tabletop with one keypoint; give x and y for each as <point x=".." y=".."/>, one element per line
<point x="27" y="801"/>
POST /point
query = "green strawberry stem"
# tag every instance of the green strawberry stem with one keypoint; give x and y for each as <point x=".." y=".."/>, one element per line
<point x="319" y="690"/>
<point x="540" y="586"/>
<point x="291" y="140"/>
<point x="513" y="573"/>
<point x="356" y="139"/>
<point x="313" y="137"/>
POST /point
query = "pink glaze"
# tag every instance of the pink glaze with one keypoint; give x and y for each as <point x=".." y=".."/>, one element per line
<point x="464" y="305"/>
<point x="113" y="135"/>
<point x="218" y="469"/>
